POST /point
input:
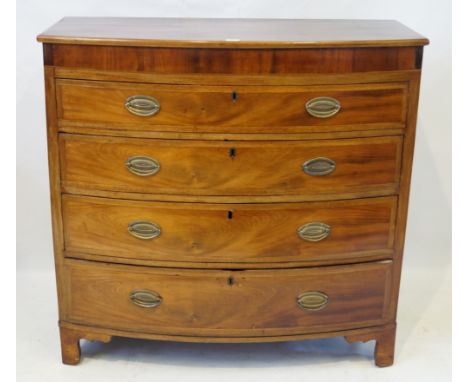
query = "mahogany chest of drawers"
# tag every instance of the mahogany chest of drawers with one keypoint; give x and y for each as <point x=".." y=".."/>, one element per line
<point x="229" y="180"/>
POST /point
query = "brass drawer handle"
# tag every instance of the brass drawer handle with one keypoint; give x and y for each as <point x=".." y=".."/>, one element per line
<point x="312" y="300"/>
<point x="144" y="230"/>
<point x="319" y="166"/>
<point x="145" y="298"/>
<point x="314" y="231"/>
<point x="323" y="107"/>
<point x="143" y="106"/>
<point x="142" y="166"/>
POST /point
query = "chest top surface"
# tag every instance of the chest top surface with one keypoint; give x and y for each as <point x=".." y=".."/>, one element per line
<point x="237" y="33"/>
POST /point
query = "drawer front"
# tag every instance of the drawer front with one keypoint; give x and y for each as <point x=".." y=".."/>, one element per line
<point x="242" y="303"/>
<point x="239" y="109"/>
<point x="367" y="166"/>
<point x="229" y="233"/>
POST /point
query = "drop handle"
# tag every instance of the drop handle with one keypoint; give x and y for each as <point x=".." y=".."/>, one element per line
<point x="145" y="298"/>
<point x="323" y="107"/>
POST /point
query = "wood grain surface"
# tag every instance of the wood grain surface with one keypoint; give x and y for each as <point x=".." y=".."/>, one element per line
<point x="231" y="61"/>
<point x="216" y="79"/>
<point x="228" y="233"/>
<point x="231" y="168"/>
<point x="227" y="303"/>
<point x="73" y="332"/>
<point x="384" y="344"/>
<point x="231" y="136"/>
<point x="231" y="33"/>
<point x="191" y="108"/>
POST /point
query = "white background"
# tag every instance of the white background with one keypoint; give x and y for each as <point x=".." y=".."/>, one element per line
<point x="423" y="342"/>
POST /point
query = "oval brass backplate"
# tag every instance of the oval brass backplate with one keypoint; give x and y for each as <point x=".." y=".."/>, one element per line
<point x="142" y="166"/>
<point x="145" y="298"/>
<point x="312" y="300"/>
<point x="320" y="166"/>
<point x="323" y="107"/>
<point x="144" y="230"/>
<point x="315" y="231"/>
<point x="142" y="106"/>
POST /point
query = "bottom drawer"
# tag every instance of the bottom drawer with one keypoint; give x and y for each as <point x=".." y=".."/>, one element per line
<point x="227" y="303"/>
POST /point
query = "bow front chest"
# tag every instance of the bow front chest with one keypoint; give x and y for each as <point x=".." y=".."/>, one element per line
<point x="229" y="180"/>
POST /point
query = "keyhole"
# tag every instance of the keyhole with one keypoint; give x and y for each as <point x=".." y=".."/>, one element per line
<point x="230" y="280"/>
<point x="232" y="152"/>
<point x="234" y="96"/>
<point x="230" y="215"/>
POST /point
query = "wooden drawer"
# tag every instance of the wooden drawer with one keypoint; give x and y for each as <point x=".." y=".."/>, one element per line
<point x="366" y="166"/>
<point x="227" y="303"/>
<point x="231" y="109"/>
<point x="229" y="233"/>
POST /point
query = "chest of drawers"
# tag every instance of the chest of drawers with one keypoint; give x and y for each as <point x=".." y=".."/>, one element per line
<point x="229" y="180"/>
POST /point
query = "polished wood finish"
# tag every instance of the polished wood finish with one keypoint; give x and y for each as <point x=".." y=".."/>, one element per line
<point x="229" y="233"/>
<point x="231" y="168"/>
<point x="92" y="330"/>
<point x="230" y="193"/>
<point x="287" y="79"/>
<point x="213" y="108"/>
<point x="406" y="170"/>
<point x="71" y="334"/>
<point x="378" y="130"/>
<point x="226" y="303"/>
<point x="230" y="33"/>
<point x="54" y="182"/>
<point x="70" y="341"/>
<point x="384" y="347"/>
<point x="229" y="61"/>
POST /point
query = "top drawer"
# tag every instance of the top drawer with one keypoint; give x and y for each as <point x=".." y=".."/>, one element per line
<point x="231" y="109"/>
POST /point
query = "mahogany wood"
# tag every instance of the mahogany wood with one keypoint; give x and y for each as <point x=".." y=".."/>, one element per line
<point x="230" y="33"/>
<point x="231" y="168"/>
<point x="287" y="79"/>
<point x="229" y="233"/>
<point x="228" y="61"/>
<point x="235" y="213"/>
<point x="70" y="340"/>
<point x="85" y="329"/>
<point x="352" y="131"/>
<point x="70" y="335"/>
<point x="54" y="182"/>
<point x="384" y="347"/>
<point x="227" y="303"/>
<point x="193" y="108"/>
